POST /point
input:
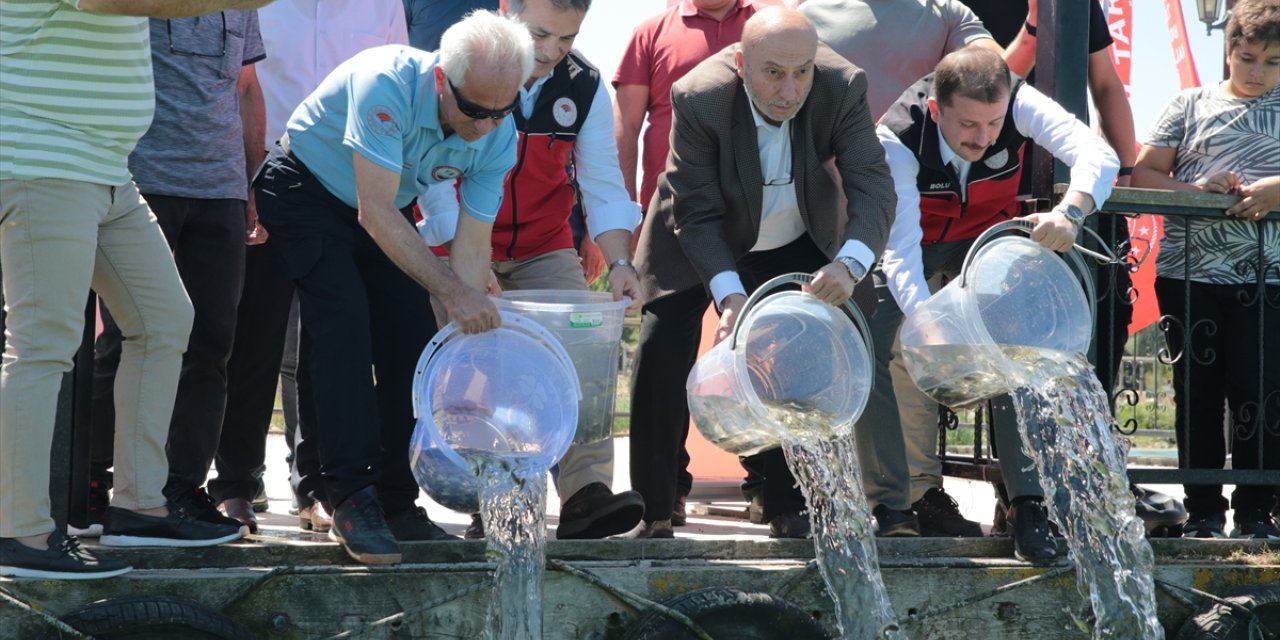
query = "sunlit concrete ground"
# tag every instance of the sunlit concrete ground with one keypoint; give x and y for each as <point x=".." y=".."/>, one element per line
<point x="976" y="500"/>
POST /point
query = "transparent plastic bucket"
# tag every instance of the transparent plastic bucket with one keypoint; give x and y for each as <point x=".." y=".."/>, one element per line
<point x="589" y="325"/>
<point x="1013" y="305"/>
<point x="794" y="368"/>
<point x="508" y="393"/>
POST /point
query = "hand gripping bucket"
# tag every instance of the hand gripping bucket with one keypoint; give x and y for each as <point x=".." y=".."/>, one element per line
<point x="508" y="393"/>
<point x="1014" y="304"/>
<point x="794" y="368"/>
<point x="589" y="325"/>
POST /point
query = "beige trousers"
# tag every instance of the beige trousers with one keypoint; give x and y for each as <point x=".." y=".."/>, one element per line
<point x="59" y="238"/>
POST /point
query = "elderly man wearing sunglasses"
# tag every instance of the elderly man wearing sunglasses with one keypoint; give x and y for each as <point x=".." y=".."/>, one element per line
<point x="335" y="196"/>
<point x="567" y="153"/>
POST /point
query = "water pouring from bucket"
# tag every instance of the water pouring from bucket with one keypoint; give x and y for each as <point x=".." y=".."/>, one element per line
<point x="1017" y="321"/>
<point x="796" y="373"/>
<point x="495" y="411"/>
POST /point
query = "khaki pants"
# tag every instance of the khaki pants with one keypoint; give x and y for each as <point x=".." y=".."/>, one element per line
<point x="583" y="463"/>
<point x="58" y="238"/>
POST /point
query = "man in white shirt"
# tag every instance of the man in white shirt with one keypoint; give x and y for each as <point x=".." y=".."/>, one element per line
<point x="954" y="142"/>
<point x="564" y="120"/>
<point x="305" y="40"/>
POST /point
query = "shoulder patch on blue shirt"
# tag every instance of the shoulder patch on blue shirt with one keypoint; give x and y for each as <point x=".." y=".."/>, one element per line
<point x="380" y="120"/>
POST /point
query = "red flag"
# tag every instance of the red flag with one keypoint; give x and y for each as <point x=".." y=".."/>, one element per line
<point x="1144" y="230"/>
<point x="1187" y="75"/>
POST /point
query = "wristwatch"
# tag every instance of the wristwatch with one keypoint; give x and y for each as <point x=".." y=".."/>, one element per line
<point x="1073" y="213"/>
<point x="856" y="270"/>
<point x="621" y="262"/>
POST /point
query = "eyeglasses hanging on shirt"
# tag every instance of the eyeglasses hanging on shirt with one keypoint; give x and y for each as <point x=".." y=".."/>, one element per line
<point x="188" y="41"/>
<point x="775" y="155"/>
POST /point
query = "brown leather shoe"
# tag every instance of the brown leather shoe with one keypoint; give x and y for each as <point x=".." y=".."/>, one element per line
<point x="314" y="518"/>
<point x="240" y="510"/>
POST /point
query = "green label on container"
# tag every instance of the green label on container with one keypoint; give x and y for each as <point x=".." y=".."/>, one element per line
<point x="584" y="320"/>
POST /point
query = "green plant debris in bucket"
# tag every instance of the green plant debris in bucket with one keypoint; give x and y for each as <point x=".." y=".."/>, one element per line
<point x="585" y="319"/>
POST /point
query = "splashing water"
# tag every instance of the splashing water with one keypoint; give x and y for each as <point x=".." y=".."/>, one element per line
<point x="513" y="501"/>
<point x="843" y="540"/>
<point x="1065" y="424"/>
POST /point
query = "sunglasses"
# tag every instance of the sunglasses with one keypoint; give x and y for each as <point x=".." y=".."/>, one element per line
<point x="477" y="112"/>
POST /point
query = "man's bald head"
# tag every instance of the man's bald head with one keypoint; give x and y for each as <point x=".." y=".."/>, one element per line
<point x="779" y="25"/>
<point x="776" y="61"/>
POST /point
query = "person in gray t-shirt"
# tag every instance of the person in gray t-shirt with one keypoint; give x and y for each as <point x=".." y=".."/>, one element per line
<point x="193" y="168"/>
<point x="895" y="41"/>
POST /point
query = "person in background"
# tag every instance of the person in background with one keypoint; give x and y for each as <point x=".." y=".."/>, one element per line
<point x="428" y="19"/>
<point x="662" y="49"/>
<point x="955" y="142"/>
<point x="193" y="167"/>
<point x="71" y="220"/>
<point x="564" y="119"/>
<point x="305" y="40"/>
<point x="336" y="194"/>
<point x="1222" y="139"/>
<point x="745" y="198"/>
<point x="861" y="31"/>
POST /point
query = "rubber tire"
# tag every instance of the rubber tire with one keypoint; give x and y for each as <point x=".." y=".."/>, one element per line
<point x="151" y="618"/>
<point x="1218" y="622"/>
<point x="726" y="613"/>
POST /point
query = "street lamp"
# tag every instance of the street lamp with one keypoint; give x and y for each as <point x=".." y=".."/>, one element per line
<point x="1209" y="11"/>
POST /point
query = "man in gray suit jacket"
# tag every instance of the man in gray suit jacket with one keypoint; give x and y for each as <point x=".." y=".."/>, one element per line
<point x="745" y="198"/>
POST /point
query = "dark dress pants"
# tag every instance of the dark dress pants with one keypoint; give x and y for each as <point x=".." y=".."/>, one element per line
<point x="252" y="373"/>
<point x="1224" y="361"/>
<point x="671" y="328"/>
<point x="363" y="319"/>
<point x="207" y="239"/>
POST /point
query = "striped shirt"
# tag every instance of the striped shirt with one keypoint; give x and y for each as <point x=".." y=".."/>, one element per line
<point x="76" y="91"/>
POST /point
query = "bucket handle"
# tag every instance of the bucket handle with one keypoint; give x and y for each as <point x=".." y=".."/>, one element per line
<point x="509" y="320"/>
<point x="763" y="290"/>
<point x="1072" y="256"/>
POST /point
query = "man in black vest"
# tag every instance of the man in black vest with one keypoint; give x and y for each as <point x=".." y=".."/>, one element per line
<point x="954" y="142"/>
<point x="565" y="127"/>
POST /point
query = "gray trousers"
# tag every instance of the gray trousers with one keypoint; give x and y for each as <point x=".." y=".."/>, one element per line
<point x="902" y="405"/>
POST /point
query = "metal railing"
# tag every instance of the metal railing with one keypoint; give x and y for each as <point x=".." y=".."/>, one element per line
<point x="1144" y="393"/>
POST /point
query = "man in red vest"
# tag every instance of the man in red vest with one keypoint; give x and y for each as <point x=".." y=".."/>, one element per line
<point x="565" y="150"/>
<point x="954" y="142"/>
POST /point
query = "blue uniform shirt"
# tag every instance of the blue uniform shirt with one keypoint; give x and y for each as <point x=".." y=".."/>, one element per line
<point x="383" y="103"/>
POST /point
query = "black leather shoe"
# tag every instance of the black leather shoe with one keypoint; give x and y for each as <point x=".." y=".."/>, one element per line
<point x="789" y="525"/>
<point x="595" y="512"/>
<point x="358" y="524"/>
<point x="940" y="516"/>
<point x="475" y="530"/>
<point x="1029" y="526"/>
<point x="413" y="525"/>
<point x="199" y="506"/>
<point x="891" y="523"/>
<point x="1162" y="515"/>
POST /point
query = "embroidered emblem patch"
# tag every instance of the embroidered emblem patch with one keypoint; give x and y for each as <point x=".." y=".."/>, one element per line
<point x="380" y="120"/>
<point x="998" y="160"/>
<point x="565" y="112"/>
<point x="444" y="173"/>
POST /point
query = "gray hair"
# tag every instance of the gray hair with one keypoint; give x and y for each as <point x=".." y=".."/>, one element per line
<point x="516" y="7"/>
<point x="486" y="36"/>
